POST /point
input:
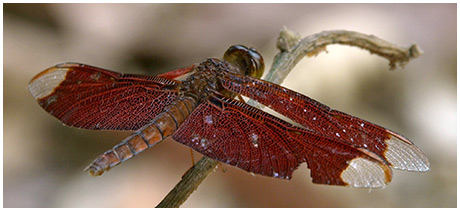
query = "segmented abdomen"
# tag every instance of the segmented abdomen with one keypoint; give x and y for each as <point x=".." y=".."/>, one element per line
<point x="161" y="127"/>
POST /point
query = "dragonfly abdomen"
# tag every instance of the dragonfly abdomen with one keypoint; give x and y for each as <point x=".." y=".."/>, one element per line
<point x="160" y="128"/>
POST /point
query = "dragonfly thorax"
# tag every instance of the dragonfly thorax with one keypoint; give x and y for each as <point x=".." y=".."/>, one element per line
<point x="206" y="79"/>
<point x="207" y="75"/>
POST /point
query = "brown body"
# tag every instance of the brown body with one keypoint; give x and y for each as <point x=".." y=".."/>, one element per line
<point x="200" y="112"/>
<point x="202" y="82"/>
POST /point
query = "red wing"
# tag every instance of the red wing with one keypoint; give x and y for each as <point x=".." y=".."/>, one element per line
<point x="396" y="150"/>
<point x="248" y="138"/>
<point x="176" y="74"/>
<point x="92" y="98"/>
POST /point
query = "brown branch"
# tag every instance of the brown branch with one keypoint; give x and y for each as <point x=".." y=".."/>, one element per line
<point x="292" y="50"/>
<point x="189" y="183"/>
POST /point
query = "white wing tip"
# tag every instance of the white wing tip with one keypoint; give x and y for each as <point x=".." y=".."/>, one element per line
<point x="364" y="173"/>
<point x="45" y="82"/>
<point x="404" y="155"/>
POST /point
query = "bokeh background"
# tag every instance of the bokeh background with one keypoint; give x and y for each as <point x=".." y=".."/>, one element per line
<point x="43" y="160"/>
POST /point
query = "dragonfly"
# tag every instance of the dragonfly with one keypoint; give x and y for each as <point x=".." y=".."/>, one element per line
<point x="201" y="107"/>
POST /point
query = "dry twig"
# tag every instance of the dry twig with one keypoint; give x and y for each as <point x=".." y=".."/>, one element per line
<point x="293" y="49"/>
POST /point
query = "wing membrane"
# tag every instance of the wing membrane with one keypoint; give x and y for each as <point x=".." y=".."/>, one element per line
<point x="331" y="123"/>
<point x="243" y="136"/>
<point x="93" y="98"/>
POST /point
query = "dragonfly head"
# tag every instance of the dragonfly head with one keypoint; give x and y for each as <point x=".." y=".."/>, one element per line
<point x="248" y="60"/>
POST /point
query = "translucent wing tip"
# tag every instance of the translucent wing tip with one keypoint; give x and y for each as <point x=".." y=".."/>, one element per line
<point x="404" y="155"/>
<point x="364" y="173"/>
<point x="45" y="82"/>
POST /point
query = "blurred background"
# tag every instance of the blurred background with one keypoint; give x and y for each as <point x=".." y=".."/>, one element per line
<point x="43" y="160"/>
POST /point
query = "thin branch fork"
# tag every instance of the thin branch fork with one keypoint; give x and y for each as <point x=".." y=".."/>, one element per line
<point x="292" y="50"/>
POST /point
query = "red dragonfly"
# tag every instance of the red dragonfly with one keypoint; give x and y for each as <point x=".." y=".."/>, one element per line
<point x="197" y="107"/>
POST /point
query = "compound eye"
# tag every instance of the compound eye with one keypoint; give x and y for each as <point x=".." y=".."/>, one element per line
<point x="248" y="60"/>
